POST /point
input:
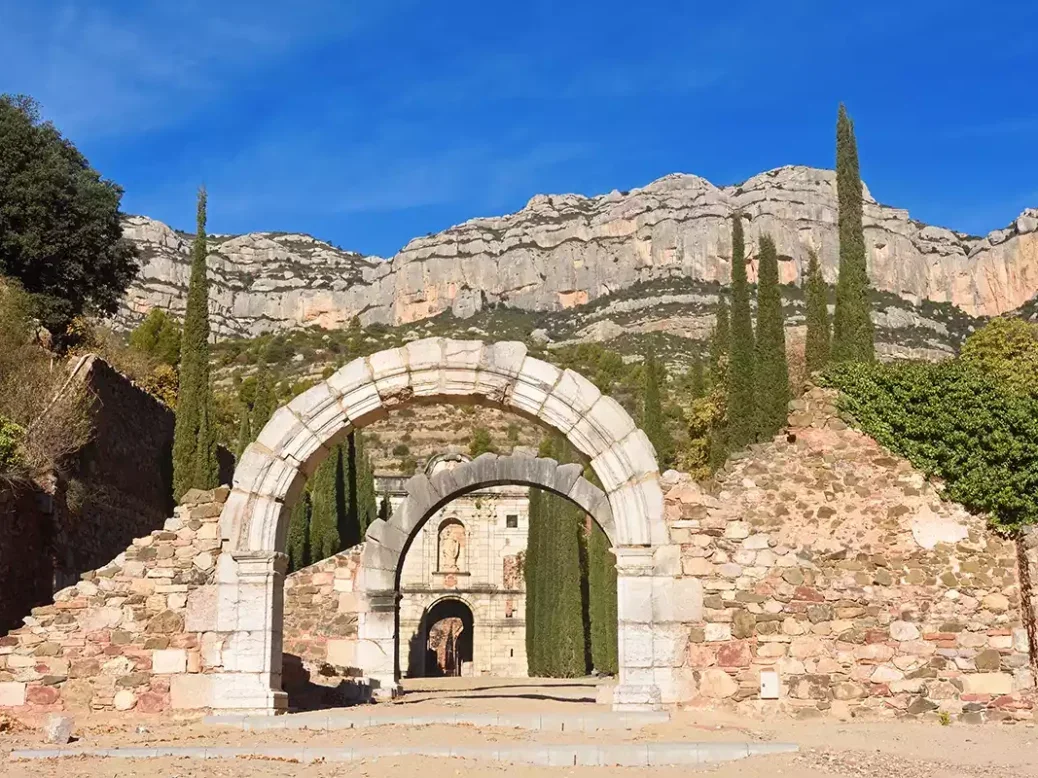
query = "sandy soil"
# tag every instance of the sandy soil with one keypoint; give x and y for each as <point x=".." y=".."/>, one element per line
<point x="876" y="749"/>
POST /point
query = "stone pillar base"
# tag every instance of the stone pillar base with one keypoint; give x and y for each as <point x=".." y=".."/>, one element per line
<point x="224" y="693"/>
<point x="632" y="697"/>
<point x="384" y="689"/>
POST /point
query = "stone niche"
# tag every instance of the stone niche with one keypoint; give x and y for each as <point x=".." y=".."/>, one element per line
<point x="830" y="561"/>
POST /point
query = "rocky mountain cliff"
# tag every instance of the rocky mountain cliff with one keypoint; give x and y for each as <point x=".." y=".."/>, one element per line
<point x="562" y="252"/>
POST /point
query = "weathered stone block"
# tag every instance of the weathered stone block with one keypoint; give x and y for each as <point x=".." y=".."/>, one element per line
<point x="168" y="661"/>
<point x="12" y="694"/>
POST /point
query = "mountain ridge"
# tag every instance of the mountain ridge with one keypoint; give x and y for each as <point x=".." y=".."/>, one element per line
<point x="563" y="251"/>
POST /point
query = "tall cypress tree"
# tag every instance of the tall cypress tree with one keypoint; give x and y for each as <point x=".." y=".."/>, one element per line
<point x="566" y="620"/>
<point x="720" y="343"/>
<point x="194" y="392"/>
<point x="367" y="498"/>
<point x="265" y="403"/>
<point x="697" y="380"/>
<point x="602" y="601"/>
<point x="244" y="431"/>
<point x="771" y="371"/>
<point x="852" y="323"/>
<point x="742" y="415"/>
<point x="533" y="575"/>
<point x="816" y="353"/>
<point x="324" y="520"/>
<point x="207" y="469"/>
<point x="653" y="422"/>
<point x="299" y="534"/>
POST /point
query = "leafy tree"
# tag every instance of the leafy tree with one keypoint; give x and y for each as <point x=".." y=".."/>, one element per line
<point x="818" y="336"/>
<point x="10" y="441"/>
<point x="158" y="336"/>
<point x="60" y="231"/>
<point x="653" y="422"/>
<point x="481" y="442"/>
<point x="194" y="398"/>
<point x="771" y="371"/>
<point x="953" y="421"/>
<point x="742" y="413"/>
<point x="1007" y="350"/>
<point x="355" y="338"/>
<point x="852" y="323"/>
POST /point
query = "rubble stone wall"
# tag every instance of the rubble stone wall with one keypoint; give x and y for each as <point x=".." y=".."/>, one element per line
<point x="836" y="565"/>
<point x="122" y="638"/>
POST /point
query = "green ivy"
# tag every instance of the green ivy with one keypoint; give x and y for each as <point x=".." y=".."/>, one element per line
<point x="955" y="422"/>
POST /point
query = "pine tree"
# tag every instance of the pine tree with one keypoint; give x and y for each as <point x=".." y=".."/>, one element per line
<point x="653" y="422"/>
<point x="852" y="323"/>
<point x="299" y="534"/>
<point x="771" y="370"/>
<point x="742" y="414"/>
<point x="194" y="392"/>
<point x="816" y="353"/>
<point x="602" y="598"/>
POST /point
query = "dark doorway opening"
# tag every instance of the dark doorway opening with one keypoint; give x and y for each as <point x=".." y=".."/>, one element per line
<point x="443" y="644"/>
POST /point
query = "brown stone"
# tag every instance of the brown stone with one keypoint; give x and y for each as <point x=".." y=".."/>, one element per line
<point x="84" y="668"/>
<point x="132" y="680"/>
<point x="166" y="622"/>
<point x="743" y="624"/>
<point x="156" y="642"/>
<point x="988" y="660"/>
<point x="76" y="694"/>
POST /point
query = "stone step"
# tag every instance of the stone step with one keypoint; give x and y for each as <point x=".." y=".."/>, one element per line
<point x="557" y="722"/>
<point x="623" y="754"/>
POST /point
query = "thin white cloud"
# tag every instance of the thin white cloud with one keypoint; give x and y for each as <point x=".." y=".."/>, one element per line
<point x="124" y="68"/>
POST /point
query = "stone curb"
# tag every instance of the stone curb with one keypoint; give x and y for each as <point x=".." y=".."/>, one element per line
<point x="624" y="754"/>
<point x="553" y="723"/>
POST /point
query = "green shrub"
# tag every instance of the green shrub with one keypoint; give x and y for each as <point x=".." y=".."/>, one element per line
<point x="952" y="421"/>
<point x="10" y="437"/>
<point x="401" y="450"/>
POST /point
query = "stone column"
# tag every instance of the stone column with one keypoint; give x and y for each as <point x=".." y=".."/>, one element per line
<point x="251" y="681"/>
<point x="636" y="689"/>
<point x="376" y="644"/>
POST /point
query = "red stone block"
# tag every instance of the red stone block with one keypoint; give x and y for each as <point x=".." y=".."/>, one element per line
<point x="42" y="695"/>
<point x="808" y="594"/>
<point x="152" y="702"/>
<point x="8" y="640"/>
<point x="113" y="650"/>
<point x="734" y="655"/>
<point x="876" y="636"/>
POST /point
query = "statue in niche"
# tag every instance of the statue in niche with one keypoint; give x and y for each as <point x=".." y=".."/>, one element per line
<point x="452" y="534"/>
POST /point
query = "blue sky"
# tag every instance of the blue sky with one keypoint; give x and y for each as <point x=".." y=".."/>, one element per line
<point x="370" y="123"/>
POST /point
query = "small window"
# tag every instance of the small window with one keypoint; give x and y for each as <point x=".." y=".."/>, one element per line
<point x="511" y="521"/>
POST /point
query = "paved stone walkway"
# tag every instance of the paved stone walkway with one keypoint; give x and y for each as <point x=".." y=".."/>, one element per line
<point x="623" y="754"/>
<point x="553" y="722"/>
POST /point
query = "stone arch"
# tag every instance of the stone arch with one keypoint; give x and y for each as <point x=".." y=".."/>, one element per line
<point x="273" y="470"/>
<point x="387" y="542"/>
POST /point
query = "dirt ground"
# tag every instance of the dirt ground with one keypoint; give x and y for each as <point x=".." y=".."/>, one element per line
<point x="859" y="749"/>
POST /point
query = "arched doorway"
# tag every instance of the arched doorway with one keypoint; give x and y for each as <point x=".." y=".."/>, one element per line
<point x="272" y="474"/>
<point x="446" y="640"/>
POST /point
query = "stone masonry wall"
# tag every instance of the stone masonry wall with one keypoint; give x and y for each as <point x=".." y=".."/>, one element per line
<point x="321" y="613"/>
<point x="830" y="561"/>
<point x="121" y="638"/>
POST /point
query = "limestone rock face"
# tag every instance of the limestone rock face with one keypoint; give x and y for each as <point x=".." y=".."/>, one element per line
<point x="562" y="251"/>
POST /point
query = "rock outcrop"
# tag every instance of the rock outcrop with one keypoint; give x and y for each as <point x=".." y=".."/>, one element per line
<point x="562" y="251"/>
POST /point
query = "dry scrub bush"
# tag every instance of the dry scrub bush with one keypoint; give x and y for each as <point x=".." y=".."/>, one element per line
<point x="37" y="394"/>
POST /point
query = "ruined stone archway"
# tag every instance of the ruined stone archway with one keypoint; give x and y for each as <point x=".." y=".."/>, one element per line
<point x="273" y="471"/>
<point x="387" y="542"/>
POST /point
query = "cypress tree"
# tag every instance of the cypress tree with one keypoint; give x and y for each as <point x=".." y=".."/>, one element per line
<point x="367" y="499"/>
<point x="602" y="598"/>
<point x="816" y="353"/>
<point x="653" y="422"/>
<point x="742" y="415"/>
<point x="852" y="323"/>
<point x="244" y="431"/>
<point x="324" y="522"/>
<point x="697" y="380"/>
<point x="194" y="370"/>
<point x="720" y="343"/>
<point x="299" y="534"/>
<point x="207" y="469"/>
<point x="771" y="370"/>
<point x="534" y="579"/>
<point x="265" y="403"/>
<point x="566" y="622"/>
